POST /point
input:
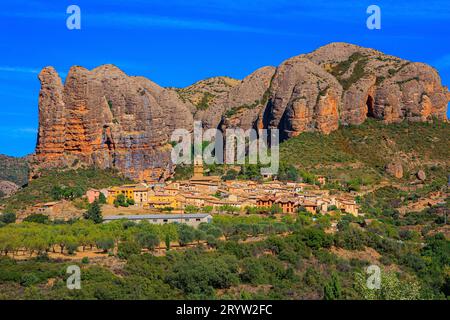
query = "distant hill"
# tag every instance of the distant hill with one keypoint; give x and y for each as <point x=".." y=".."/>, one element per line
<point x="14" y="169"/>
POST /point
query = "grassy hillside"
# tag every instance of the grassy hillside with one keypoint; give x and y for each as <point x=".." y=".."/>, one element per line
<point x="359" y="154"/>
<point x="79" y="181"/>
<point x="13" y="169"/>
<point x="363" y="151"/>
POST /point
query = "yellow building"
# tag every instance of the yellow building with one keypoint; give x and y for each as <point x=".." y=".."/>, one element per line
<point x="137" y="192"/>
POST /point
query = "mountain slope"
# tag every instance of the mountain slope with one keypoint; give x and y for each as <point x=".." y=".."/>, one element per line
<point x="14" y="169"/>
<point x="362" y="152"/>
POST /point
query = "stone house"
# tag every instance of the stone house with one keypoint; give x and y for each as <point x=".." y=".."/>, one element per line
<point x="92" y="195"/>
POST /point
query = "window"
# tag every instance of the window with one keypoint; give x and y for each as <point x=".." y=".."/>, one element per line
<point x="165" y="220"/>
<point x="187" y="220"/>
<point x="197" y="219"/>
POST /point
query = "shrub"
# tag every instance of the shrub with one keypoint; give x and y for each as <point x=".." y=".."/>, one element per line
<point x="29" y="279"/>
<point x="351" y="239"/>
<point x="127" y="249"/>
<point x="8" y="217"/>
<point x="101" y="198"/>
<point x="37" y="218"/>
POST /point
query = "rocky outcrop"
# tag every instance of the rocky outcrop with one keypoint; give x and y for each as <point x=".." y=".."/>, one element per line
<point x="7" y="188"/>
<point x="246" y="101"/>
<point x="421" y="175"/>
<point x="208" y="99"/>
<point x="395" y="169"/>
<point x="303" y="97"/>
<point x="103" y="117"/>
<point x="380" y="86"/>
<point x="107" y="119"/>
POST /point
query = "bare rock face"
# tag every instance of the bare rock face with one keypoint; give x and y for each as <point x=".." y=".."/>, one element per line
<point x="247" y="100"/>
<point x="380" y="86"/>
<point x="395" y="169"/>
<point x="303" y="97"/>
<point x="106" y="119"/>
<point x="208" y="99"/>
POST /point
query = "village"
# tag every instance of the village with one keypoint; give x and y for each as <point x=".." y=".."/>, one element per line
<point x="192" y="201"/>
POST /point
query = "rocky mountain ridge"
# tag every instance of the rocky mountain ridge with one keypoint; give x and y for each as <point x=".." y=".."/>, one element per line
<point x="105" y="118"/>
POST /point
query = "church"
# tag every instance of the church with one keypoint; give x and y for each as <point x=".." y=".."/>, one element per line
<point x="202" y="182"/>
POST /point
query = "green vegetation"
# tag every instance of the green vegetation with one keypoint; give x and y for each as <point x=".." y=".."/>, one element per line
<point x="357" y="155"/>
<point x="94" y="213"/>
<point x="358" y="61"/>
<point x="37" y="218"/>
<point x="400" y="83"/>
<point x="122" y="201"/>
<point x="235" y="110"/>
<point x="260" y="258"/>
<point x="56" y="185"/>
<point x="7" y="218"/>
<point x="353" y="156"/>
<point x="204" y="102"/>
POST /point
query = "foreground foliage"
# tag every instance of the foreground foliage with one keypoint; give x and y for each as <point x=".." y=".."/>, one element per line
<point x="248" y="257"/>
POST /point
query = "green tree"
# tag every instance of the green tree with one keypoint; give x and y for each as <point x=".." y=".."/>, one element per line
<point x="121" y="201"/>
<point x="105" y="243"/>
<point x="230" y="175"/>
<point x="149" y="240"/>
<point x="186" y="234"/>
<point x="167" y="241"/>
<point x="94" y="213"/>
<point x="275" y="209"/>
<point x="101" y="198"/>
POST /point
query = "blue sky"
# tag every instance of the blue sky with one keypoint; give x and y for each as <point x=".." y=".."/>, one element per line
<point x="177" y="42"/>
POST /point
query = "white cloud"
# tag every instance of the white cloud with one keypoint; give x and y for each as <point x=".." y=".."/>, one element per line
<point x="17" y="132"/>
<point x="19" y="69"/>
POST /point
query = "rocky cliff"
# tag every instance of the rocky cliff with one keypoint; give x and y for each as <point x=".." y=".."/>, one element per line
<point x="103" y="117"/>
<point x="106" y="119"/>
